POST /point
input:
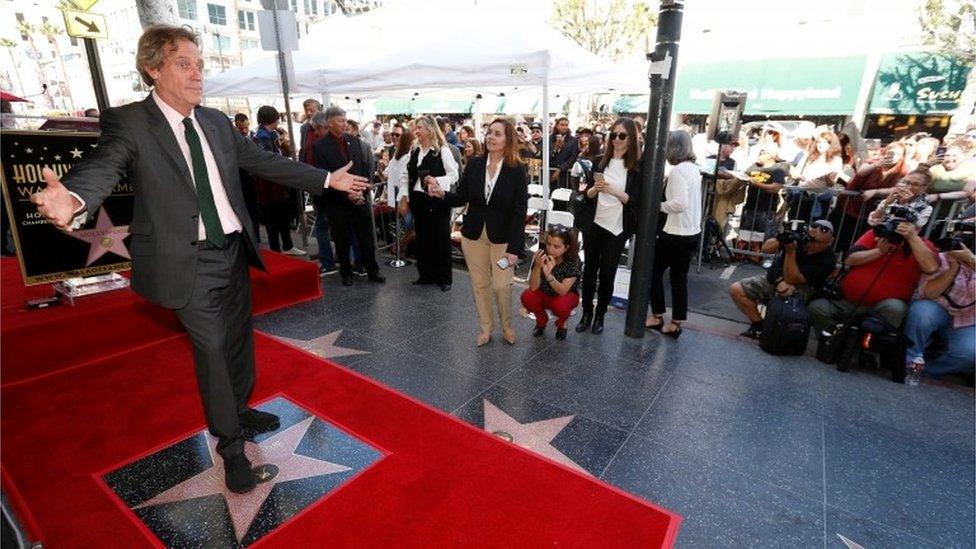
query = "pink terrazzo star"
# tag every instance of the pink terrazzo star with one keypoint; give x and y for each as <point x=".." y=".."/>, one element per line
<point x="278" y="450"/>
<point x="104" y="238"/>
<point x="536" y="436"/>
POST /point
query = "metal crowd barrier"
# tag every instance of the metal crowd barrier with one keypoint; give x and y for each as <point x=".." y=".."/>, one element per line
<point x="794" y="203"/>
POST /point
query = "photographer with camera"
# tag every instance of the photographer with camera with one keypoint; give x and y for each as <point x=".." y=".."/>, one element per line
<point x="946" y="305"/>
<point x="804" y="261"/>
<point x="907" y="202"/>
<point x="883" y="272"/>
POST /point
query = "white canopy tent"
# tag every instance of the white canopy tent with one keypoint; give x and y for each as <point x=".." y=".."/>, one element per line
<point x="435" y="49"/>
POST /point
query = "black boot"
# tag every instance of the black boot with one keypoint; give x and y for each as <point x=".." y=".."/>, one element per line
<point x="584" y="323"/>
<point x="598" y="324"/>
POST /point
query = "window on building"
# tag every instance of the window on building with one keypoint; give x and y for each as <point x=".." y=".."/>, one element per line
<point x="245" y="20"/>
<point x="217" y="13"/>
<point x="294" y="6"/>
<point x="307" y="6"/>
<point x="315" y="7"/>
<point x="221" y="44"/>
<point x="187" y="8"/>
<point x="249" y="44"/>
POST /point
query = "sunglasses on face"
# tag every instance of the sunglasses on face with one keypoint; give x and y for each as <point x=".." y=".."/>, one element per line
<point x="620" y="136"/>
<point x="397" y="134"/>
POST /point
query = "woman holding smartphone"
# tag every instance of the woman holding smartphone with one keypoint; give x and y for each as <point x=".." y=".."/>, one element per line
<point x="554" y="281"/>
<point x="495" y="188"/>
<point x="608" y="219"/>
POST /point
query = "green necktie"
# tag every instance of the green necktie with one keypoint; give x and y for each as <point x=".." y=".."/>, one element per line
<point x="205" y="198"/>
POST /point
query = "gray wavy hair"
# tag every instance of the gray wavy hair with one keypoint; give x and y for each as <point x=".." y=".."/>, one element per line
<point x="153" y="43"/>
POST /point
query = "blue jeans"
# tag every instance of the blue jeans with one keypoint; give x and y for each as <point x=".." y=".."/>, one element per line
<point x="322" y="236"/>
<point x="927" y="318"/>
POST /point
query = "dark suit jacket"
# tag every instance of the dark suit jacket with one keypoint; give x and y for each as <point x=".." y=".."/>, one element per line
<point x="566" y="156"/>
<point x="632" y="188"/>
<point x="137" y="140"/>
<point x="326" y="155"/>
<point x="504" y="214"/>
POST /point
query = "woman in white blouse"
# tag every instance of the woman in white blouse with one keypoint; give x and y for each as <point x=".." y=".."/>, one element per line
<point x="431" y="162"/>
<point x="678" y="240"/>
<point x="821" y="165"/>
<point x="608" y="219"/>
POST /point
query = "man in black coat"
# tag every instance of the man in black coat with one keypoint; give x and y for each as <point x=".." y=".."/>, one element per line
<point x="348" y="213"/>
<point x="563" y="150"/>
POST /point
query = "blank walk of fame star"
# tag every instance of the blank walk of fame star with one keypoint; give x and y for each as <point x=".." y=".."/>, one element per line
<point x="324" y="346"/>
<point x="536" y="436"/>
<point x="275" y="461"/>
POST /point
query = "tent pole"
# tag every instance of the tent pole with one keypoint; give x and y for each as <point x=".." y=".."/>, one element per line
<point x="547" y="136"/>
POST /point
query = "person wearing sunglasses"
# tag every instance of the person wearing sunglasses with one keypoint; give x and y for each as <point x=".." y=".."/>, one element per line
<point x="796" y="270"/>
<point x="608" y="218"/>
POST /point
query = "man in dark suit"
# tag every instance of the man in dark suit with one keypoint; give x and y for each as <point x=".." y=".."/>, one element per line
<point x="191" y="242"/>
<point x="563" y="149"/>
<point x="348" y="213"/>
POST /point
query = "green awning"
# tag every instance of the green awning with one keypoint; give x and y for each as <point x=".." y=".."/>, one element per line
<point x="518" y="105"/>
<point x="422" y="105"/>
<point x="811" y="86"/>
<point x="919" y="83"/>
<point x="631" y="104"/>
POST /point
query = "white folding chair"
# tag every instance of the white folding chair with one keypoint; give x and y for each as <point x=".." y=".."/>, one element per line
<point x="562" y="195"/>
<point x="535" y="190"/>
<point x="561" y="218"/>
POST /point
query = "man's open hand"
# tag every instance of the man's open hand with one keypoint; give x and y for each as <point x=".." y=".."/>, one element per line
<point x="342" y="180"/>
<point x="55" y="203"/>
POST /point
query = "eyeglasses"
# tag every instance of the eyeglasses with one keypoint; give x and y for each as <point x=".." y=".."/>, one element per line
<point x="619" y="136"/>
<point x="185" y="65"/>
<point x="396" y="134"/>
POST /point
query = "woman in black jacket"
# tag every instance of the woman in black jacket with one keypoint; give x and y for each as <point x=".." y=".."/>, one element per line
<point x="608" y="219"/>
<point x="495" y="189"/>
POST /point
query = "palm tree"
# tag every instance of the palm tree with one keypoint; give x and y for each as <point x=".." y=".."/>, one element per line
<point x="27" y="31"/>
<point x="10" y="45"/>
<point x="51" y="33"/>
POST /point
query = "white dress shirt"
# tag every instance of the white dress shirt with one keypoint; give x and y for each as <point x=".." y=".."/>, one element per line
<point x="396" y="179"/>
<point x="491" y="180"/>
<point x="450" y="169"/>
<point x="228" y="219"/>
<point x="609" y="208"/>
<point x="683" y="200"/>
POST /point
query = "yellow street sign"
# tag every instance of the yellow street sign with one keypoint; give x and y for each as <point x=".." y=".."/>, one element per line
<point x="81" y="24"/>
<point x="84" y="5"/>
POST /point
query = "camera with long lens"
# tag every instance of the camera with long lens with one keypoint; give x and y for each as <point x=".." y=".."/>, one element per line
<point x="895" y="214"/>
<point x="796" y="231"/>
<point x="959" y="234"/>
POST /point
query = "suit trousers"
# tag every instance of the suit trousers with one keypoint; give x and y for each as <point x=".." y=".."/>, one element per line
<point x="674" y="253"/>
<point x="277" y="221"/>
<point x="602" y="249"/>
<point x="432" y="225"/>
<point x="346" y="220"/>
<point x="488" y="279"/>
<point x="218" y="321"/>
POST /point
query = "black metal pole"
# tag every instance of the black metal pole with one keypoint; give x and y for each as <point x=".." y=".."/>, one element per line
<point x="658" y="122"/>
<point x="98" y="79"/>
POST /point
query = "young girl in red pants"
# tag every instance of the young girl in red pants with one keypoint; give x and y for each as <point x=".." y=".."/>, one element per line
<point x="554" y="282"/>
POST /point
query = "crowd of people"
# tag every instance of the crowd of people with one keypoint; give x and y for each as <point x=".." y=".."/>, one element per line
<point x="429" y="167"/>
<point x="442" y="177"/>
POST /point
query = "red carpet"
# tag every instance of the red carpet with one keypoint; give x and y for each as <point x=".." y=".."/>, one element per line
<point x="444" y="483"/>
<point x="38" y="342"/>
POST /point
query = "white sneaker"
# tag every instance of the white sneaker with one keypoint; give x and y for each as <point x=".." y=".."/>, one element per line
<point x="295" y="251"/>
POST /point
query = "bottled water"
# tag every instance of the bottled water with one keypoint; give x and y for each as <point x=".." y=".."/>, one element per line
<point x="913" y="371"/>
